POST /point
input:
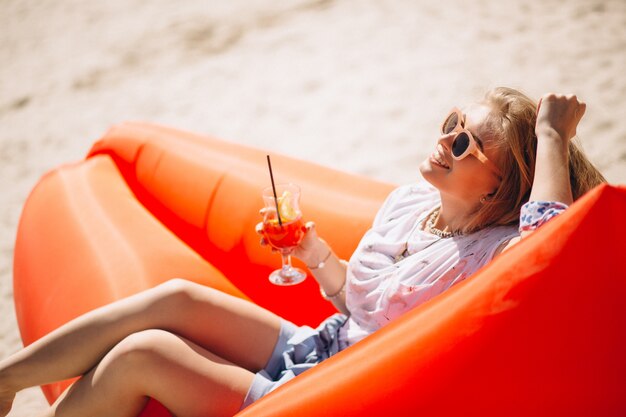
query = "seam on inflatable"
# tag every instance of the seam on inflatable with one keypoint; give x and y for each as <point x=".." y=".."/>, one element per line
<point x="136" y="159"/>
<point x="156" y="164"/>
<point x="146" y="177"/>
<point x="218" y="185"/>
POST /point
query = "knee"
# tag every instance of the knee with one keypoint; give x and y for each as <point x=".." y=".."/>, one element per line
<point x="138" y="350"/>
<point x="133" y="360"/>
<point x="178" y="292"/>
<point x="176" y="286"/>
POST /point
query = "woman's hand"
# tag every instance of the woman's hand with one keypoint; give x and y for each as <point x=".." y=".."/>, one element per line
<point x="558" y="116"/>
<point x="312" y="250"/>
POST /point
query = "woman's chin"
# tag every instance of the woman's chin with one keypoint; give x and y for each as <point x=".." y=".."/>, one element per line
<point x="427" y="170"/>
<point x="430" y="173"/>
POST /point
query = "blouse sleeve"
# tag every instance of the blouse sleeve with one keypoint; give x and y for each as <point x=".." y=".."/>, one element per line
<point x="534" y="214"/>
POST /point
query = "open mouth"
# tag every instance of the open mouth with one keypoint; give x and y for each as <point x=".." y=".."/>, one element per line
<point x="438" y="159"/>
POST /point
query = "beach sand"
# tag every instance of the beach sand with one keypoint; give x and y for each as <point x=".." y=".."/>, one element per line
<point x="356" y="85"/>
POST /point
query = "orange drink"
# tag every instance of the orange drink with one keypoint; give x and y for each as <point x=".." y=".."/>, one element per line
<point x="286" y="236"/>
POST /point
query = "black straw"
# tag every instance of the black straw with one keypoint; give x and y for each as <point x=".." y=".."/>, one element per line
<point x="269" y="164"/>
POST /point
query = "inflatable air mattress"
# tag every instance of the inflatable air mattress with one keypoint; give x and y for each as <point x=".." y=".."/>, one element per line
<point x="541" y="331"/>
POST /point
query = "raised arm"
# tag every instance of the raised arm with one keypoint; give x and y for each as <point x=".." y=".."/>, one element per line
<point x="557" y="118"/>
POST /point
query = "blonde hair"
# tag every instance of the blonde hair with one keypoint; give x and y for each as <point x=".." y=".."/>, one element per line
<point x="512" y="124"/>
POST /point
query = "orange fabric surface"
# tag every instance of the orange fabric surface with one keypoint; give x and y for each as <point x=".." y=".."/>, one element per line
<point x="208" y="192"/>
<point x="539" y="332"/>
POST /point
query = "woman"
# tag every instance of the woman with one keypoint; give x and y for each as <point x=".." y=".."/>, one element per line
<point x="489" y="160"/>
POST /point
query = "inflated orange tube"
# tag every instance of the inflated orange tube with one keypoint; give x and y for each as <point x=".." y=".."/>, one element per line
<point x="539" y="332"/>
<point x="208" y="192"/>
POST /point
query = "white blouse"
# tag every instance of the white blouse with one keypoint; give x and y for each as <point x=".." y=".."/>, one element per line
<point x="380" y="287"/>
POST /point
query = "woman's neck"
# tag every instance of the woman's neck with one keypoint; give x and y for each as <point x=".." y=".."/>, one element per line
<point x="454" y="214"/>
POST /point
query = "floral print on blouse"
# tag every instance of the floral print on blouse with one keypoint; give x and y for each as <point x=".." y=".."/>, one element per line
<point x="534" y="214"/>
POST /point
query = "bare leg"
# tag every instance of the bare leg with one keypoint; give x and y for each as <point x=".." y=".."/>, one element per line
<point x="222" y="324"/>
<point x="184" y="377"/>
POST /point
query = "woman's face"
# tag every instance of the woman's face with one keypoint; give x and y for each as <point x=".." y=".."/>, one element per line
<point x="467" y="179"/>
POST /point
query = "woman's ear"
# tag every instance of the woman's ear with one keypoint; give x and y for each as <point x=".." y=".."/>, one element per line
<point x="487" y="197"/>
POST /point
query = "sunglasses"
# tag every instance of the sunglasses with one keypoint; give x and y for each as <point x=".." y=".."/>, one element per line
<point x="464" y="143"/>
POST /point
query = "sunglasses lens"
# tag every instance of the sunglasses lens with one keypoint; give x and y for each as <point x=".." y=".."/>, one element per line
<point x="450" y="123"/>
<point x="460" y="144"/>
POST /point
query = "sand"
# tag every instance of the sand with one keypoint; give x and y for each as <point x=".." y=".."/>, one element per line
<point x="359" y="85"/>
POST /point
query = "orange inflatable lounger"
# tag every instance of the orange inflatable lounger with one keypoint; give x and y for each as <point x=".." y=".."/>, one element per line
<point x="541" y="331"/>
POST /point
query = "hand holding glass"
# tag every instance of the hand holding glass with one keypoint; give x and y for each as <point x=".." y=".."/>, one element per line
<point x="284" y="235"/>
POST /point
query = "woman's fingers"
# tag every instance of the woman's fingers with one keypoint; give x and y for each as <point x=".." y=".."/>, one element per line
<point x="580" y="111"/>
<point x="263" y="241"/>
<point x="259" y="229"/>
<point x="559" y="113"/>
<point x="311" y="233"/>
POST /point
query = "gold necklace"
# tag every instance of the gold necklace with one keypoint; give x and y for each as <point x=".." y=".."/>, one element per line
<point x="430" y="224"/>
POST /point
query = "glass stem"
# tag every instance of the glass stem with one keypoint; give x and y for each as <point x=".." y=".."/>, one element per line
<point x="286" y="257"/>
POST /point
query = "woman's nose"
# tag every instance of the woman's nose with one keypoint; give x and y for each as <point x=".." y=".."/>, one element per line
<point x="446" y="140"/>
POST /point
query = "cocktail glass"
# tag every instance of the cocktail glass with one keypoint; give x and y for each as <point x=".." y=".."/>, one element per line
<point x="284" y="235"/>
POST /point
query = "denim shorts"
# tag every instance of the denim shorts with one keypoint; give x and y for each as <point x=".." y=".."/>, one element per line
<point x="297" y="349"/>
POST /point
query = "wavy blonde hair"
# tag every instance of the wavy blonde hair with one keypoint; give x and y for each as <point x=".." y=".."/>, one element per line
<point x="512" y="123"/>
